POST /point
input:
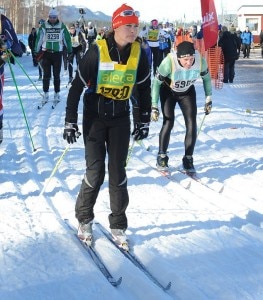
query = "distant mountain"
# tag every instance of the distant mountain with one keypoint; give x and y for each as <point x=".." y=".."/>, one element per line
<point x="71" y="14"/>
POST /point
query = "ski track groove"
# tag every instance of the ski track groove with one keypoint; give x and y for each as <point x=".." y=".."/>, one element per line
<point x="197" y="190"/>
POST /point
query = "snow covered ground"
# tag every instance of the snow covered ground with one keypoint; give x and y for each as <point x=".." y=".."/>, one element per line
<point x="209" y="244"/>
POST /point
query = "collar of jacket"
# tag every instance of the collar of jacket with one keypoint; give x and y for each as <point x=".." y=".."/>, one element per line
<point x="53" y="24"/>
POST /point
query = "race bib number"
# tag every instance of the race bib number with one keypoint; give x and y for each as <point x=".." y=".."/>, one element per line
<point x="53" y="34"/>
<point x="182" y="85"/>
<point x="116" y="93"/>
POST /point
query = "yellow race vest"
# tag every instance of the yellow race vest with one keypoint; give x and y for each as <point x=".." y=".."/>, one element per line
<point x="116" y="81"/>
<point x="75" y="40"/>
<point x="153" y="35"/>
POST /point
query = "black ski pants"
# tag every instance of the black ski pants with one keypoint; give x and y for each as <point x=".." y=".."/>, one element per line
<point x="187" y="104"/>
<point x="76" y="53"/>
<point x="51" y="62"/>
<point x="156" y="58"/>
<point x="101" y="137"/>
<point x="229" y="70"/>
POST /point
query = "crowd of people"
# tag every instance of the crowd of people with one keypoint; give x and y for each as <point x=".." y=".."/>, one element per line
<point x="156" y="64"/>
<point x="158" y="40"/>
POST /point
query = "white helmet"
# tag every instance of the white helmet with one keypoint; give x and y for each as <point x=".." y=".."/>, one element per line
<point x="89" y="23"/>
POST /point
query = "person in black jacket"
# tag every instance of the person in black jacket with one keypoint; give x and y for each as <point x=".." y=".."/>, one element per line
<point x="229" y="45"/>
<point x="31" y="43"/>
<point x="109" y="71"/>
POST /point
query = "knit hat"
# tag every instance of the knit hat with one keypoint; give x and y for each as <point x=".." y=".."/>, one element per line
<point x="185" y="49"/>
<point x="124" y="15"/>
<point x="53" y="12"/>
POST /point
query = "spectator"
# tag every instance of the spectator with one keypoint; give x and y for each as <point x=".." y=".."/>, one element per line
<point x="31" y="43"/>
<point x="229" y="44"/>
<point x="200" y="33"/>
<point x="38" y="59"/>
<point x="193" y="32"/>
<point x="247" y="39"/>
<point x="237" y="33"/>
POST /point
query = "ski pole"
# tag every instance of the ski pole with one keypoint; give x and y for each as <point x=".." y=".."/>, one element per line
<point x="141" y="143"/>
<point x="55" y="169"/>
<point x="18" y="94"/>
<point x="17" y="61"/>
<point x="201" y="125"/>
<point x="130" y="152"/>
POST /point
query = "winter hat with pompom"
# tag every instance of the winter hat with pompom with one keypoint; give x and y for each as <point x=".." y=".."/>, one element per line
<point x="53" y="12"/>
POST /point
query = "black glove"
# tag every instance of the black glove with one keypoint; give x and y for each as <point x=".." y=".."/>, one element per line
<point x="140" y="131"/>
<point x="70" y="56"/>
<point x="208" y="105"/>
<point x="71" y="132"/>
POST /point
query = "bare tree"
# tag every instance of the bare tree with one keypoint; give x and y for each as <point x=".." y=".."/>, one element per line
<point x="25" y="14"/>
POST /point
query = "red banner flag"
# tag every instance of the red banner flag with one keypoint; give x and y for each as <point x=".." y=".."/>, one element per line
<point x="209" y="23"/>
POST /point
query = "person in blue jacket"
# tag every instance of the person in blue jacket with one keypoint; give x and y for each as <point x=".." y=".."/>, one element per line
<point x="247" y="40"/>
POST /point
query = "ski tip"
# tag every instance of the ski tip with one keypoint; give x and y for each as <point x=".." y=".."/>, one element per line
<point x="165" y="173"/>
<point x="188" y="185"/>
<point x="221" y="189"/>
<point x="87" y="241"/>
<point x="116" y="282"/>
<point x="168" y="286"/>
<point x="124" y="246"/>
<point x="190" y="173"/>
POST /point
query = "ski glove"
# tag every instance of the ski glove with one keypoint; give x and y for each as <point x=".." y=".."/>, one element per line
<point x="39" y="55"/>
<point x="155" y="114"/>
<point x="71" y="132"/>
<point x="140" y="131"/>
<point x="208" y="105"/>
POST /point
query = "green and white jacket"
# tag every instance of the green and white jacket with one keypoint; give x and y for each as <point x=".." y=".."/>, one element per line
<point x="52" y="37"/>
<point x="179" y="79"/>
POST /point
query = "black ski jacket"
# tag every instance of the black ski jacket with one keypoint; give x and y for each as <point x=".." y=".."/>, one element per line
<point x="96" y="105"/>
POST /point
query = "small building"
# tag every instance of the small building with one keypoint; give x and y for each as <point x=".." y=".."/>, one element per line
<point x="251" y="16"/>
